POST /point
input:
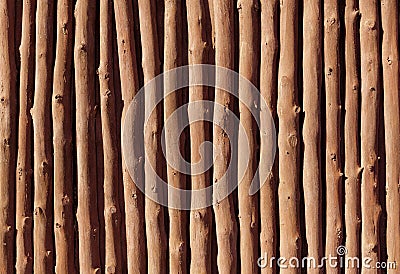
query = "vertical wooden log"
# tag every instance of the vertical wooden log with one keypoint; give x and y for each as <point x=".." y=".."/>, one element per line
<point x="134" y="199"/>
<point x="225" y="222"/>
<point x="288" y="137"/>
<point x="351" y="135"/>
<point x="268" y="90"/>
<point x="249" y="16"/>
<point x="312" y="34"/>
<point x="390" y="62"/>
<point x="62" y="140"/>
<point x="87" y="216"/>
<point x="334" y="226"/>
<point x="178" y="241"/>
<point x="43" y="162"/>
<point x="370" y="92"/>
<point x="7" y="134"/>
<point x="154" y="212"/>
<point x="200" y="219"/>
<point x="24" y="247"/>
<point x="110" y="146"/>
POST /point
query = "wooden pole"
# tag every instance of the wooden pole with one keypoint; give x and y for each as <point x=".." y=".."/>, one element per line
<point x="225" y="222"/>
<point x="178" y="239"/>
<point x="334" y="226"/>
<point x="112" y="212"/>
<point x="370" y="92"/>
<point x="200" y="219"/>
<point x="390" y="62"/>
<point x="62" y="140"/>
<point x="134" y="199"/>
<point x="87" y="215"/>
<point x="268" y="90"/>
<point x="312" y="184"/>
<point x="8" y="134"/>
<point x="43" y="161"/>
<point x="351" y="134"/>
<point x="288" y="137"/>
<point x="24" y="252"/>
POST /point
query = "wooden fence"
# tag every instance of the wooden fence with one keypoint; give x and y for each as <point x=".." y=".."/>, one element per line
<point x="328" y="72"/>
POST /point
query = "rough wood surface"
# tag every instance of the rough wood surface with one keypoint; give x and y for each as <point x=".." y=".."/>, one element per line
<point x="370" y="93"/>
<point x="84" y="58"/>
<point x="390" y="62"/>
<point x="43" y="161"/>
<point x="24" y="217"/>
<point x="62" y="140"/>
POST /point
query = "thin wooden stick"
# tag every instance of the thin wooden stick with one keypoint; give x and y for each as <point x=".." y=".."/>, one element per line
<point x="24" y="252"/>
<point x="62" y="140"/>
<point x="134" y="199"/>
<point x="390" y="61"/>
<point x="268" y="90"/>
<point x="87" y="216"/>
<point x="43" y="162"/>
<point x="288" y="138"/>
<point x="249" y="17"/>
<point x="351" y="135"/>
<point x="110" y="146"/>
<point x="312" y="77"/>
<point x="225" y="222"/>
<point x="370" y="92"/>
<point x="178" y="239"/>
<point x="200" y="219"/>
<point x="154" y="212"/>
<point x="8" y="101"/>
<point x="334" y="226"/>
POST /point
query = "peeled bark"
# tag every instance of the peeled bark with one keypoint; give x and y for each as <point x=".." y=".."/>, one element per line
<point x="110" y="146"/>
<point x="154" y="212"/>
<point x="7" y="134"/>
<point x="62" y="140"/>
<point x="268" y="90"/>
<point x="390" y="61"/>
<point x="248" y="68"/>
<point x="312" y="77"/>
<point x="334" y="226"/>
<point x="288" y="138"/>
<point x="84" y="56"/>
<point x="134" y="199"/>
<point x="370" y="92"/>
<point x="351" y="135"/>
<point x="178" y="241"/>
<point x="24" y="247"/>
<point x="225" y="222"/>
<point x="43" y="162"/>
<point x="200" y="219"/>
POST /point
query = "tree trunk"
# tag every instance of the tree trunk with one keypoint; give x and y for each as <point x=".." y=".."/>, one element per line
<point x="110" y="146"/>
<point x="225" y="222"/>
<point x="84" y="56"/>
<point x="370" y="92"/>
<point x="312" y="128"/>
<point x="62" y="140"/>
<point x="268" y="90"/>
<point x="248" y="67"/>
<point x="390" y="61"/>
<point x="24" y="247"/>
<point x="178" y="240"/>
<point x="154" y="212"/>
<point x="134" y="199"/>
<point x="288" y="138"/>
<point x="334" y="227"/>
<point x="200" y="219"/>
<point x="8" y="135"/>
<point x="43" y="162"/>
<point x="351" y="135"/>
